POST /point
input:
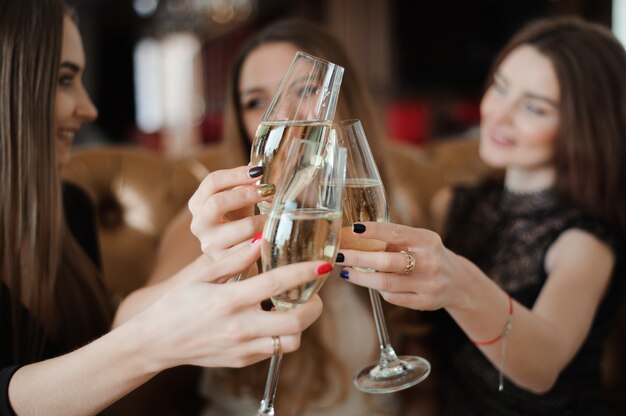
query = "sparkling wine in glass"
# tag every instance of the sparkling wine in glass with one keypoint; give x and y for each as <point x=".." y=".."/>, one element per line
<point x="364" y="200"/>
<point x="304" y="224"/>
<point x="302" y="107"/>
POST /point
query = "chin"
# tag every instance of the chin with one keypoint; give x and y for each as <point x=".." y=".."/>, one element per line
<point x="62" y="157"/>
<point x="492" y="157"/>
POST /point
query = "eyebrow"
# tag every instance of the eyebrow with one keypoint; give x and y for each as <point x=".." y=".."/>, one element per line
<point x="530" y="95"/>
<point x="250" y="91"/>
<point x="302" y="79"/>
<point x="70" y="65"/>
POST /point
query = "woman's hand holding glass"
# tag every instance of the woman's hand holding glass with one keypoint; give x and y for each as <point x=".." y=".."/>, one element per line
<point x="229" y="328"/>
<point x="222" y="209"/>
<point x="427" y="276"/>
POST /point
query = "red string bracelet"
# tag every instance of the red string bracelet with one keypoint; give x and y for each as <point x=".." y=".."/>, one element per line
<point x="507" y="326"/>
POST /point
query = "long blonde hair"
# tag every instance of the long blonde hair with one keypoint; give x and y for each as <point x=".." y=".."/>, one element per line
<point x="35" y="246"/>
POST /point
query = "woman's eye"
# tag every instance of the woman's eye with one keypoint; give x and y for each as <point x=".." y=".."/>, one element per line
<point x="306" y="91"/>
<point x="253" y="104"/>
<point x="535" y="109"/>
<point x="498" y="87"/>
<point x="65" y="80"/>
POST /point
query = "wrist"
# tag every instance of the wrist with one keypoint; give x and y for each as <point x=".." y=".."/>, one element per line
<point x="140" y="346"/>
<point x="469" y="287"/>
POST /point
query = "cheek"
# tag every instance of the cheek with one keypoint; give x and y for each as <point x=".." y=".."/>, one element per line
<point x="541" y="140"/>
<point x="62" y="107"/>
<point x="540" y="134"/>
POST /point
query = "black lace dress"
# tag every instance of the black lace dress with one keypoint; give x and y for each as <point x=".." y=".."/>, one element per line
<point x="507" y="235"/>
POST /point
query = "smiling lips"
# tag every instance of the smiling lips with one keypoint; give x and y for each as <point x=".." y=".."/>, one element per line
<point x="499" y="138"/>
<point x="66" y="135"/>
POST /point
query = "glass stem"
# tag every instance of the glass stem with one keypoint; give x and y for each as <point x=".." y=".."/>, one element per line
<point x="388" y="357"/>
<point x="267" y="404"/>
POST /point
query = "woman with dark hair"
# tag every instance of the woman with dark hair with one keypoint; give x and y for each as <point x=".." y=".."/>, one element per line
<point x="531" y="271"/>
<point x="56" y="356"/>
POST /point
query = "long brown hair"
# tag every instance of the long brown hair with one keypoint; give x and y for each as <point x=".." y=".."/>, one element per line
<point x="590" y="65"/>
<point x="313" y="359"/>
<point x="35" y="246"/>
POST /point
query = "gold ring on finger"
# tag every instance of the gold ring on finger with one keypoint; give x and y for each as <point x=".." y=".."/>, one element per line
<point x="410" y="260"/>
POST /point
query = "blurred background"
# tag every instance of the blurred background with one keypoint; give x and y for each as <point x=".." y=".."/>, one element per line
<point x="159" y="68"/>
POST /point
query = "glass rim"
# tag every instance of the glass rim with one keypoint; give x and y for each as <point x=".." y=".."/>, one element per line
<point x="317" y="58"/>
<point x="348" y="122"/>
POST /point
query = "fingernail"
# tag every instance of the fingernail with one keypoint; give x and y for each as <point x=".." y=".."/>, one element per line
<point x="323" y="269"/>
<point x="255" y="171"/>
<point x="266" y="190"/>
<point x="257" y="237"/>
<point x="358" y="228"/>
<point x="340" y="258"/>
<point x="345" y="274"/>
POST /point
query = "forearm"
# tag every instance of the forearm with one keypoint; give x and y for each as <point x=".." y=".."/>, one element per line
<point x="535" y="352"/>
<point x="84" y="381"/>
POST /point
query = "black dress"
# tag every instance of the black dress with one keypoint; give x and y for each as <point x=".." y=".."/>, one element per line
<point x="80" y="219"/>
<point x="507" y="235"/>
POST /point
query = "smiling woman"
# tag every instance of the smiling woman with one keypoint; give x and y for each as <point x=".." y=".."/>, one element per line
<point x="528" y="274"/>
<point x="520" y="119"/>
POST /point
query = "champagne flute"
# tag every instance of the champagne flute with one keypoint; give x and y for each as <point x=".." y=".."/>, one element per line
<point x="364" y="200"/>
<point x="304" y="224"/>
<point x="302" y="107"/>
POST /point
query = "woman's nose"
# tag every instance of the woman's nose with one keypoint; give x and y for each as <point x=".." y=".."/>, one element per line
<point x="86" y="109"/>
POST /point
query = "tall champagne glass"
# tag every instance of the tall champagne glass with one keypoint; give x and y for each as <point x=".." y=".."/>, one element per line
<point x="302" y="107"/>
<point x="364" y="200"/>
<point x="303" y="224"/>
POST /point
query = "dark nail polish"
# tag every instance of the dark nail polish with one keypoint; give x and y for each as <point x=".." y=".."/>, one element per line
<point x="345" y="274"/>
<point x="358" y="228"/>
<point x="340" y="258"/>
<point x="267" y="305"/>
<point x="255" y="171"/>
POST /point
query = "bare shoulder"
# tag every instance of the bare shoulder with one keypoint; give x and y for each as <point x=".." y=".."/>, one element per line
<point x="439" y="208"/>
<point x="581" y="258"/>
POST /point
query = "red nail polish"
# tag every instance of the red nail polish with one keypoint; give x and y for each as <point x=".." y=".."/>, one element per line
<point x="257" y="237"/>
<point x="323" y="269"/>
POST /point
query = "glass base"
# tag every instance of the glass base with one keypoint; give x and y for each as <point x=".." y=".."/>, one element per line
<point x="409" y="371"/>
